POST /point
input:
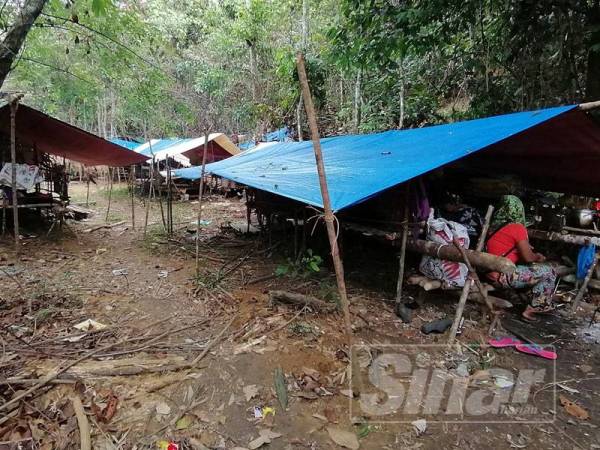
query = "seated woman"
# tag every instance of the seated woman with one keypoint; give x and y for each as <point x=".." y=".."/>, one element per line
<point x="508" y="238"/>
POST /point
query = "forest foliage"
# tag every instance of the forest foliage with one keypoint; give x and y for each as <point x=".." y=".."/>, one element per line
<point x="170" y="68"/>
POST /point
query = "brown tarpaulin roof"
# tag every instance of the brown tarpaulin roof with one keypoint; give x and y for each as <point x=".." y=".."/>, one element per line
<point x="53" y="136"/>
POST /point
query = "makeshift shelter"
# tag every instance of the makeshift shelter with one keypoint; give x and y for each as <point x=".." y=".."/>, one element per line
<point x="43" y="144"/>
<point x="45" y="134"/>
<point x="539" y="145"/>
<point x="189" y="152"/>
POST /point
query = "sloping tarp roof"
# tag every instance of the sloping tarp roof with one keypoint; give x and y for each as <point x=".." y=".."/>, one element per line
<point x="360" y="166"/>
<point x="53" y="136"/>
<point x="189" y="149"/>
<point x="129" y="145"/>
<point x="193" y="173"/>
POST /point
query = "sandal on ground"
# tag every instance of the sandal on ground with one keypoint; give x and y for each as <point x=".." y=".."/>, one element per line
<point x="536" y="350"/>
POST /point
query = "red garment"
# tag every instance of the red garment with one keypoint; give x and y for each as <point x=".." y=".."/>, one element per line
<point x="505" y="240"/>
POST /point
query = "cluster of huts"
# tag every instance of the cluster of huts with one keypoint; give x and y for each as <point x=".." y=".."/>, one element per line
<point x="373" y="179"/>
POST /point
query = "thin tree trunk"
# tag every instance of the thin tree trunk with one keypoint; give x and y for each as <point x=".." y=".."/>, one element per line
<point x="299" y="118"/>
<point x="17" y="33"/>
<point x="110" y="188"/>
<point x="356" y="107"/>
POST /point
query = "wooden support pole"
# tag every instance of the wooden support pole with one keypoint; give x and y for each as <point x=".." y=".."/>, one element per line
<point x="469" y="282"/>
<point x="459" y="309"/>
<point x="402" y="257"/>
<point x="132" y="184"/>
<point x="584" y="286"/>
<point x="149" y="199"/>
<point x="87" y="194"/>
<point x="329" y="217"/>
<point x="169" y="198"/>
<point x="110" y="188"/>
<point x="13" y="158"/>
<point x="486" y="227"/>
<point x="473" y="274"/>
<point x="200" y="198"/>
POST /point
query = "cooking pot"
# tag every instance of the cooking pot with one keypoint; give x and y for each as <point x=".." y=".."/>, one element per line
<point x="584" y="217"/>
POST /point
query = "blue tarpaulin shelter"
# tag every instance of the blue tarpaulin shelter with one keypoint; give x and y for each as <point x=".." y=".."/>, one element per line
<point x="361" y="166"/>
<point x="129" y="145"/>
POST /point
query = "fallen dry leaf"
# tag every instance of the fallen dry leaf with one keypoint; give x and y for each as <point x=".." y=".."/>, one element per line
<point x="250" y="391"/>
<point x="573" y="409"/>
<point x="329" y="412"/>
<point x="343" y="438"/>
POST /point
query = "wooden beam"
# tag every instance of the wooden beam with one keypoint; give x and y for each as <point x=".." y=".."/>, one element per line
<point x="566" y="238"/>
<point x="589" y="106"/>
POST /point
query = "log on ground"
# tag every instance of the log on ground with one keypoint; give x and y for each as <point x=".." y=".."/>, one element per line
<point x="293" y="298"/>
<point x="481" y="260"/>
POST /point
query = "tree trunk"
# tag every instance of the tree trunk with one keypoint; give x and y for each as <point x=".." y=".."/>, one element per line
<point x="305" y="11"/>
<point x="592" y="86"/>
<point x="356" y="107"/>
<point x="16" y="34"/>
<point x="484" y="261"/>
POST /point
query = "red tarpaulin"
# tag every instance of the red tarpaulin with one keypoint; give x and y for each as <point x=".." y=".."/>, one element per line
<point x="561" y="155"/>
<point x="53" y="136"/>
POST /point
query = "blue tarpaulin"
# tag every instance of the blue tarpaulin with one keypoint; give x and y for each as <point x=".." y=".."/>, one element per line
<point x="161" y="145"/>
<point x="130" y="145"/>
<point x="360" y="166"/>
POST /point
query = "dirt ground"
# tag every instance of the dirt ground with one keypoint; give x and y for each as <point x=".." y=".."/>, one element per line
<point x="186" y="359"/>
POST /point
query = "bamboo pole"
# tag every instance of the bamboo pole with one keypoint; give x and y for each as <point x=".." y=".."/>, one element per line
<point x="110" y="188"/>
<point x="132" y="183"/>
<point x="329" y="217"/>
<point x="403" y="245"/>
<point x="200" y="198"/>
<point x="13" y="158"/>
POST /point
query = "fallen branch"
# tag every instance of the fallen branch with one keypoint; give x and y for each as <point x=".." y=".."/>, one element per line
<point x="292" y="298"/>
<point x="82" y="423"/>
<point x="213" y="342"/>
<point x="99" y="227"/>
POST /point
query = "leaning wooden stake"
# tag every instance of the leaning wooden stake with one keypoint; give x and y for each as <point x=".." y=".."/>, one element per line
<point x="110" y="188"/>
<point x="132" y="181"/>
<point x="584" y="286"/>
<point x="469" y="282"/>
<point x="403" y="246"/>
<point x="13" y="158"/>
<point x="486" y="227"/>
<point x="149" y="199"/>
<point x="329" y="217"/>
<point x="200" y="198"/>
<point x="460" y="308"/>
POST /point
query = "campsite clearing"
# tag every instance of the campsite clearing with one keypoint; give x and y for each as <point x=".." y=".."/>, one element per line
<point x="141" y="372"/>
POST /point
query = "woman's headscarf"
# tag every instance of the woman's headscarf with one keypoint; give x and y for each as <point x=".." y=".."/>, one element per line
<point x="510" y="210"/>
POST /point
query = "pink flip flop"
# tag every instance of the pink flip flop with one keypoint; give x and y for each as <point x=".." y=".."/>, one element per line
<point x="506" y="341"/>
<point x="536" y="350"/>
